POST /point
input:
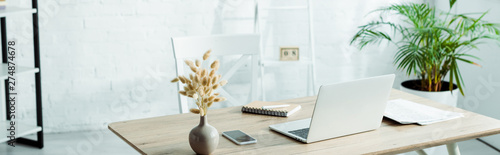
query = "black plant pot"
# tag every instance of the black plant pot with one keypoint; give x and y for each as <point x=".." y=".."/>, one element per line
<point x="416" y="85"/>
<point x="445" y="96"/>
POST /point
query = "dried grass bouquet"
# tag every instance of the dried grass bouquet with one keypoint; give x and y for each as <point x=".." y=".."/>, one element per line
<point x="201" y="85"/>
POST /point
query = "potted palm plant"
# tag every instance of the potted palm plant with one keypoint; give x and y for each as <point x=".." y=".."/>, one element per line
<point x="430" y="44"/>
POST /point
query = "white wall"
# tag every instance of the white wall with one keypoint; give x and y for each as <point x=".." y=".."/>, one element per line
<point x="482" y="92"/>
<point x="335" y="22"/>
<point x="111" y="60"/>
<point x="106" y="61"/>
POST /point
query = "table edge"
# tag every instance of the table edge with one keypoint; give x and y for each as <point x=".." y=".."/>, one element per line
<point x="121" y="137"/>
<point x="440" y="142"/>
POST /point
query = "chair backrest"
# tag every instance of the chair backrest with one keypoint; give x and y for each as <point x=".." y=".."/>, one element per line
<point x="245" y="45"/>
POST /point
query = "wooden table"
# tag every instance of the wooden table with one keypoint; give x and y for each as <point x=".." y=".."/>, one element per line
<point x="169" y="134"/>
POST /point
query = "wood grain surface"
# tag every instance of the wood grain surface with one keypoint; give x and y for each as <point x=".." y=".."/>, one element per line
<point x="169" y="134"/>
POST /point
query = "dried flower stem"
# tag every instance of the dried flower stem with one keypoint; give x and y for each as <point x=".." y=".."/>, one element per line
<point x="201" y="85"/>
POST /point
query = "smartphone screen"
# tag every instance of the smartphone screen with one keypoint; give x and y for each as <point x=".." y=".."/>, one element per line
<point x="239" y="136"/>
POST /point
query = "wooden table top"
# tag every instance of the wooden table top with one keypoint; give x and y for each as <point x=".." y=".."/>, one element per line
<point x="169" y="134"/>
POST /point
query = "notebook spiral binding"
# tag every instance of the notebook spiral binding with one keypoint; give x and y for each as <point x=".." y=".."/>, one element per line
<point x="271" y="112"/>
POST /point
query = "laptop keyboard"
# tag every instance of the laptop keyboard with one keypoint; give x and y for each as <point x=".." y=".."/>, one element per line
<point x="300" y="132"/>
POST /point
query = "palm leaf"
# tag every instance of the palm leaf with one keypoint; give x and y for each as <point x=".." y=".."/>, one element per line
<point x="452" y="2"/>
<point x="428" y="44"/>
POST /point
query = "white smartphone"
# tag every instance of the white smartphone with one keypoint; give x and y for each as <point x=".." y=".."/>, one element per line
<point x="239" y="137"/>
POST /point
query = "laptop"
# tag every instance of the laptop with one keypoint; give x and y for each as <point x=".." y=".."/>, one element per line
<point x="342" y="109"/>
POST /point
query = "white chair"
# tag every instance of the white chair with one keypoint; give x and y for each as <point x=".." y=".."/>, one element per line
<point x="246" y="46"/>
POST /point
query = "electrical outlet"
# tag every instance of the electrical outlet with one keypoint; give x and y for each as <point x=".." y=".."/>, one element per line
<point x="289" y="53"/>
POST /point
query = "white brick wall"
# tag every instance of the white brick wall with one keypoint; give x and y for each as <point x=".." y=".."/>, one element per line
<point x="111" y="60"/>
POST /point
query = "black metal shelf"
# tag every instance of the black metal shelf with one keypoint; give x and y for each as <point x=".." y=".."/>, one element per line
<point x="36" y="70"/>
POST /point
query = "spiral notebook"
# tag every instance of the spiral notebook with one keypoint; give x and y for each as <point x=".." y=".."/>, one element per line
<point x="256" y="108"/>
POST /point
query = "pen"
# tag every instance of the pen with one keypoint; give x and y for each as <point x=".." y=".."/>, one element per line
<point x="275" y="106"/>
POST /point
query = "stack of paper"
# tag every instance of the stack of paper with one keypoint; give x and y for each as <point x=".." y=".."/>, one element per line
<point x="407" y="112"/>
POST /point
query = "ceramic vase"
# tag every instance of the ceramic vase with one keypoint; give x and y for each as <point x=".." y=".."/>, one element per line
<point x="204" y="138"/>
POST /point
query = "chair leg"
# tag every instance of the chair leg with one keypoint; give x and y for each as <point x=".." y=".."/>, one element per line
<point x="453" y="149"/>
<point x="421" y="152"/>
